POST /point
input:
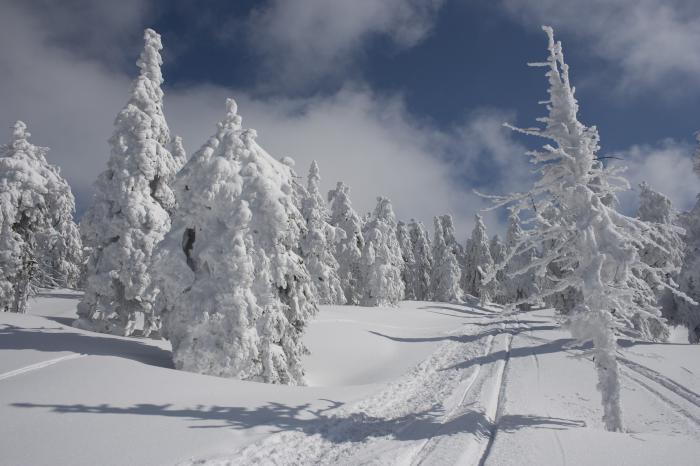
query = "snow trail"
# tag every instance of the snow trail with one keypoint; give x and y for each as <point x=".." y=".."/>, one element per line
<point x="442" y="408"/>
<point x="40" y="365"/>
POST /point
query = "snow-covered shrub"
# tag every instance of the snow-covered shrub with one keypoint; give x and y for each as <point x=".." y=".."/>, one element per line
<point x="129" y="212"/>
<point x="381" y="258"/>
<point x="422" y="255"/>
<point x="235" y="295"/>
<point x="39" y="244"/>
<point x="595" y="247"/>
<point x="348" y="246"/>
<point x="318" y="243"/>
<point x="446" y="274"/>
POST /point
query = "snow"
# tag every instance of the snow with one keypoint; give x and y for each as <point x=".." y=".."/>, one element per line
<point x="420" y="383"/>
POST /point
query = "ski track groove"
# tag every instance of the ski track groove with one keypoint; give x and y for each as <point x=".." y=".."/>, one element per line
<point x="662" y="380"/>
<point x="500" y="402"/>
<point x="39" y="365"/>
<point x="430" y="444"/>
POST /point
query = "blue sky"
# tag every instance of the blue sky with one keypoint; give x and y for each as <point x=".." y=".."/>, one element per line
<point x="403" y="98"/>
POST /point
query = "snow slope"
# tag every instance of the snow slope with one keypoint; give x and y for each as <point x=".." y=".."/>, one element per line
<point x="424" y="383"/>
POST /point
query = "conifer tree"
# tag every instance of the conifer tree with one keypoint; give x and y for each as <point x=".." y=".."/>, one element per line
<point x="446" y="274"/>
<point x="39" y="242"/>
<point x="350" y="243"/>
<point x="408" y="269"/>
<point x="422" y="254"/>
<point x="478" y="262"/>
<point x="573" y="210"/>
<point x="498" y="255"/>
<point x="318" y="243"/>
<point x="520" y="280"/>
<point x="235" y="295"/>
<point x="381" y="258"/>
<point x="129" y="212"/>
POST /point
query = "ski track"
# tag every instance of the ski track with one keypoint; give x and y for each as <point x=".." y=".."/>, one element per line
<point x="406" y="422"/>
<point x="39" y="365"/>
<point x="430" y="444"/>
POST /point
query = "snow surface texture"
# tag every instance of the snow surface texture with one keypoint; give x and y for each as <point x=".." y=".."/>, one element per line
<point x="235" y="295"/>
<point x="129" y="214"/>
<point x="444" y="384"/>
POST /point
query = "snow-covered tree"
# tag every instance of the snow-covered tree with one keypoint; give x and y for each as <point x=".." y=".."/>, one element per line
<point x="666" y="253"/>
<point x="348" y="247"/>
<point x="685" y="313"/>
<point x="595" y="245"/>
<point x="423" y="257"/>
<point x="478" y="262"/>
<point x="409" y="267"/>
<point x="39" y="242"/>
<point x="381" y="258"/>
<point x="235" y="295"/>
<point x="446" y="274"/>
<point x="448" y="230"/>
<point x="129" y="212"/>
<point x="518" y="285"/>
<point x="318" y="244"/>
<point x="498" y="255"/>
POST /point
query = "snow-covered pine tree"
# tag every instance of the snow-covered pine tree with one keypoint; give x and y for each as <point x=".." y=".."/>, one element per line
<point x="37" y="230"/>
<point x="446" y="274"/>
<point x="498" y="255"/>
<point x="478" y="262"/>
<point x="381" y="258"/>
<point x="319" y="242"/>
<point x="422" y="255"/>
<point x="129" y="212"/>
<point x="595" y="245"/>
<point x="665" y="254"/>
<point x="448" y="230"/>
<point x="348" y="247"/>
<point x="518" y="285"/>
<point x="409" y="268"/>
<point x="685" y="313"/>
<point x="235" y="296"/>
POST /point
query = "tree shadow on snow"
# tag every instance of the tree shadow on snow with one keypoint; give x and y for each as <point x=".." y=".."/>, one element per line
<point x="39" y="339"/>
<point x="336" y="428"/>
<point x="465" y="338"/>
<point x="472" y="310"/>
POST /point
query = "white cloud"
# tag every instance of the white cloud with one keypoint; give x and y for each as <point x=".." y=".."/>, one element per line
<point x="654" y="42"/>
<point x="305" y="40"/>
<point x="667" y="167"/>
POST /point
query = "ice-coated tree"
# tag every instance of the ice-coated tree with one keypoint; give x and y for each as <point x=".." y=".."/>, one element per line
<point x="235" y="296"/>
<point x="381" y="258"/>
<point x="409" y="269"/>
<point x="37" y="232"/>
<point x="520" y="281"/>
<point x="666" y="253"/>
<point x="478" y="263"/>
<point x="129" y="212"/>
<point x="685" y="313"/>
<point x="423" y="257"/>
<point x="448" y="230"/>
<point x="498" y="255"/>
<point x="318" y="243"/>
<point x="595" y="244"/>
<point x="349" y="246"/>
<point x="446" y="274"/>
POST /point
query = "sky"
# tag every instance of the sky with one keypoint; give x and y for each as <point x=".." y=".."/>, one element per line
<point x="400" y="98"/>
